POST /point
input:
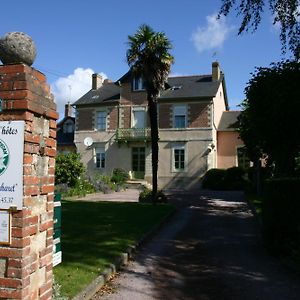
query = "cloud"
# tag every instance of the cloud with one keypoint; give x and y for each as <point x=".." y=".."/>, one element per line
<point x="72" y="87"/>
<point x="213" y="35"/>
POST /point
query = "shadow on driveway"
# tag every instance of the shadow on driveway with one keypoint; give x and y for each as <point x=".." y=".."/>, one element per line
<point x="210" y="249"/>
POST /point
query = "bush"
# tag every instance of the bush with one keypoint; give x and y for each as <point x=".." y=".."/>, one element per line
<point x="68" y="169"/>
<point x="119" y="176"/>
<point x="214" y="179"/>
<point x="281" y="213"/>
<point x="297" y="168"/>
<point x="146" y="196"/>
<point x="234" y="178"/>
<point x="81" y="188"/>
<point x="221" y="179"/>
<point x="61" y="188"/>
<point x="103" y="183"/>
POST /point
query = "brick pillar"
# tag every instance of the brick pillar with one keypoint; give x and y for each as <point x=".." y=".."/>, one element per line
<point x="26" y="264"/>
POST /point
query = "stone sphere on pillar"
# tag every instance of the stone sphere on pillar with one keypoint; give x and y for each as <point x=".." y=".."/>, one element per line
<point x="17" y="47"/>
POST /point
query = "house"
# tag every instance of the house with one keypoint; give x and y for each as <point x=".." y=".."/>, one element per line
<point x="65" y="132"/>
<point x="231" y="151"/>
<point x="112" y="127"/>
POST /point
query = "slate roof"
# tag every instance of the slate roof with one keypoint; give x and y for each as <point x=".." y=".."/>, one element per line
<point x="190" y="87"/>
<point x="229" y="121"/>
<point x="196" y="86"/>
<point x="108" y="92"/>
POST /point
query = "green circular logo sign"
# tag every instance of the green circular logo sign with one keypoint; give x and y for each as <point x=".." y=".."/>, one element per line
<point x="4" y="157"/>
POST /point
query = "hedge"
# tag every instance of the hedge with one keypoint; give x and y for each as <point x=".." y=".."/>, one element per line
<point x="221" y="179"/>
<point x="281" y="213"/>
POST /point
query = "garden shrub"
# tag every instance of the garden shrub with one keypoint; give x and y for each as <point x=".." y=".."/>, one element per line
<point x="214" y="179"/>
<point x="81" y="188"/>
<point x="146" y="196"/>
<point x="281" y="213"/>
<point x="234" y="178"/>
<point x="297" y="168"/>
<point x="61" y="188"/>
<point x="119" y="176"/>
<point x="68" y="169"/>
<point x="103" y="183"/>
<point x="221" y="179"/>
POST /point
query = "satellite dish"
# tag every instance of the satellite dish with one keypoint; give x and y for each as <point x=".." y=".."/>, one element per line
<point x="88" y="141"/>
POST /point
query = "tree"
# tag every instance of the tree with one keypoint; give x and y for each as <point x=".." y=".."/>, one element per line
<point x="285" y="12"/>
<point x="269" y="122"/>
<point x="68" y="169"/>
<point x="149" y="58"/>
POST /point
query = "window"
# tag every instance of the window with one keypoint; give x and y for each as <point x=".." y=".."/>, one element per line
<point x="138" y="159"/>
<point x="178" y="158"/>
<point x="100" y="158"/>
<point x="138" y="117"/>
<point x="68" y="127"/>
<point x="101" y="120"/>
<point x="179" y="113"/>
<point x="242" y="158"/>
<point x="138" y="84"/>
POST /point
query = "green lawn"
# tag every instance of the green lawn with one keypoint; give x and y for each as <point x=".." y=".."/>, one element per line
<point x="95" y="233"/>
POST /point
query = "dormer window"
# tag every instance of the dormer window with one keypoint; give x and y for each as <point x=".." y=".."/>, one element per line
<point x="176" y="87"/>
<point x="138" y="84"/>
<point x="68" y="127"/>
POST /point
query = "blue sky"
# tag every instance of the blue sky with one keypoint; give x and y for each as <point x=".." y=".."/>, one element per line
<point x="76" y="38"/>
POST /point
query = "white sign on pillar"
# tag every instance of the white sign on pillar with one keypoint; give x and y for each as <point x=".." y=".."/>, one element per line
<point x="11" y="164"/>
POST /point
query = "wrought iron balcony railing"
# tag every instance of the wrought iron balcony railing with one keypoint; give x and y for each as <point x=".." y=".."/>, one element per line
<point x="133" y="134"/>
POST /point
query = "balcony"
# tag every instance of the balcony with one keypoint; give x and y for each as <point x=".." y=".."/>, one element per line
<point x="133" y="135"/>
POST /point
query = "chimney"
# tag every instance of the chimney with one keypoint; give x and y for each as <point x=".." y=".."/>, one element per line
<point x="96" y="81"/>
<point x="216" y="73"/>
<point x="68" y="110"/>
<point x="107" y="81"/>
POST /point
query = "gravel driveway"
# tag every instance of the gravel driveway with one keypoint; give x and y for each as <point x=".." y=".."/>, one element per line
<point x="210" y="249"/>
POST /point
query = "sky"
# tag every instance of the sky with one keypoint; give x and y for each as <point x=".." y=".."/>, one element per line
<point x="77" y="38"/>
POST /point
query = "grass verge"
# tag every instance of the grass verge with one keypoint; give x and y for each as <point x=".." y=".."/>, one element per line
<point x="256" y="201"/>
<point x="94" y="234"/>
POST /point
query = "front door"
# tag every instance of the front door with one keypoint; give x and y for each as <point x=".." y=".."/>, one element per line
<point x="138" y="162"/>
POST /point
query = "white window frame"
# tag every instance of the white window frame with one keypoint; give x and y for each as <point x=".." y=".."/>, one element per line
<point x="179" y="147"/>
<point x="138" y="84"/>
<point x="99" y="157"/>
<point x="135" y="109"/>
<point x="179" y="111"/>
<point x="99" y="125"/>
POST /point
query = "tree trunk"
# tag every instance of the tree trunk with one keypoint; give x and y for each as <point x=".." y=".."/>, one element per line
<point x="257" y="176"/>
<point x="154" y="144"/>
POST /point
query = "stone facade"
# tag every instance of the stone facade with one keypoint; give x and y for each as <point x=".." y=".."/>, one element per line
<point x="26" y="264"/>
<point x="197" y="100"/>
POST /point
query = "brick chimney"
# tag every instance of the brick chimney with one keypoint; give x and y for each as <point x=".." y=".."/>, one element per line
<point x="216" y="72"/>
<point x="68" y="110"/>
<point x="97" y="81"/>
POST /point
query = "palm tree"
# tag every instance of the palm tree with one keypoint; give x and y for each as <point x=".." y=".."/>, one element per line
<point x="149" y="58"/>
